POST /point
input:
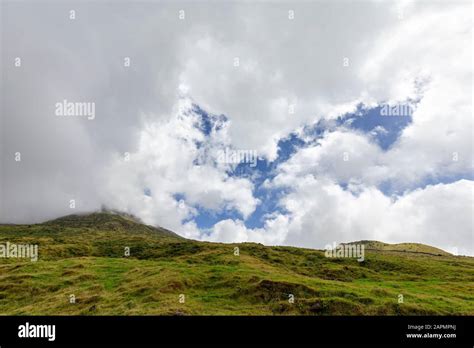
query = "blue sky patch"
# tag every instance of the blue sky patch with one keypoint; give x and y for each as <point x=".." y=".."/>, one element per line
<point x="383" y="123"/>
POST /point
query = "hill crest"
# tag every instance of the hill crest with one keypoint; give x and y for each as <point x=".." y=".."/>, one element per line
<point x="401" y="247"/>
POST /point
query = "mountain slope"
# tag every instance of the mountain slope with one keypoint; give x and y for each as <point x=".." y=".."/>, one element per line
<point x="401" y="247"/>
<point x="82" y="257"/>
<point x="109" y="221"/>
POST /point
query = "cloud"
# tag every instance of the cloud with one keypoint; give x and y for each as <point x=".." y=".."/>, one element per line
<point x="427" y="56"/>
<point x="341" y="155"/>
<point x="165" y="164"/>
<point x="235" y="231"/>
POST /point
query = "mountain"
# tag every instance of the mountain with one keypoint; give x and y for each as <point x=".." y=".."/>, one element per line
<point x="108" y="221"/>
<point x="84" y="269"/>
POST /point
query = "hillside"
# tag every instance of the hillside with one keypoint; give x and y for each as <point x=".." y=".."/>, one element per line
<point x="401" y="247"/>
<point x="83" y="256"/>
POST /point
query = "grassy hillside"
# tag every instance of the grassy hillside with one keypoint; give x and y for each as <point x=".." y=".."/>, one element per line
<point x="402" y="247"/>
<point x="84" y="256"/>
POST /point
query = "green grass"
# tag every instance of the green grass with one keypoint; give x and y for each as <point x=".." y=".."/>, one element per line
<point x="84" y="256"/>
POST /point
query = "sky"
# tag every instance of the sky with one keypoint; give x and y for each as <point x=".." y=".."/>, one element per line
<point x="298" y="123"/>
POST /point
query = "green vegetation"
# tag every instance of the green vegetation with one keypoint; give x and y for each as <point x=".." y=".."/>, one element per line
<point x="84" y="256"/>
<point x="402" y="247"/>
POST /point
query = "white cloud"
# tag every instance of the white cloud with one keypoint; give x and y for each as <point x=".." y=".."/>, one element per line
<point x="165" y="164"/>
<point x="432" y="47"/>
<point x="341" y="155"/>
<point x="235" y="231"/>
